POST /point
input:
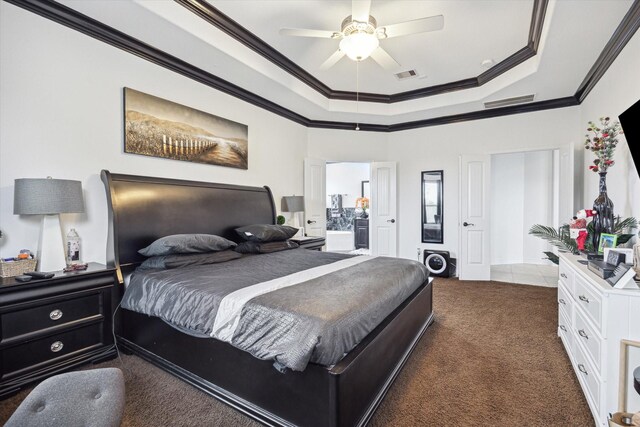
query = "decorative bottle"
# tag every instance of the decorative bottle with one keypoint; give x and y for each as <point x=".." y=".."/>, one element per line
<point x="73" y="247"/>
<point x="603" y="221"/>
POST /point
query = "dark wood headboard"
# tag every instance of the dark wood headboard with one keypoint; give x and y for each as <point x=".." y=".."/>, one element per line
<point x="143" y="209"/>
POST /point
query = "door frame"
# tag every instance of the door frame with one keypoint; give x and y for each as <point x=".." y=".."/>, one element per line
<point x="577" y="180"/>
<point x="371" y="201"/>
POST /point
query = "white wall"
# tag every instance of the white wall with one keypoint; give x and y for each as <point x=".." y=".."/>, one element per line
<point x="521" y="195"/>
<point x="507" y="208"/>
<point x="439" y="147"/>
<point x="61" y="115"/>
<point x="538" y="203"/>
<point x="346" y="178"/>
<point x="347" y="145"/>
<point x="616" y="91"/>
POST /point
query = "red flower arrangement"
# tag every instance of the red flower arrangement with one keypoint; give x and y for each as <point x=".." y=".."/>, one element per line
<point x="603" y="143"/>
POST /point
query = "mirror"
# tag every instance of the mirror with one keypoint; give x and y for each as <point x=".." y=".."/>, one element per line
<point x="365" y="189"/>
<point x="432" y="207"/>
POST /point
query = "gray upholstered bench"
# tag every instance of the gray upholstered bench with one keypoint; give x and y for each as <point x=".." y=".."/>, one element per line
<point x="92" y="398"/>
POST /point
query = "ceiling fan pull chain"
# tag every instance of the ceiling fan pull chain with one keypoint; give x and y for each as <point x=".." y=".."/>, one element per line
<point x="357" y="93"/>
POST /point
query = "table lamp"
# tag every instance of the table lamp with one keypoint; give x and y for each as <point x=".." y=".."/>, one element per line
<point x="49" y="198"/>
<point x="295" y="205"/>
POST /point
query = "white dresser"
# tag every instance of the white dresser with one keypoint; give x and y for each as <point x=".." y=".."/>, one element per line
<point x="593" y="318"/>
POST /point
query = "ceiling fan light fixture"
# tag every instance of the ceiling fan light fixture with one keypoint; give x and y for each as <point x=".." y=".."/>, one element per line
<point x="359" y="46"/>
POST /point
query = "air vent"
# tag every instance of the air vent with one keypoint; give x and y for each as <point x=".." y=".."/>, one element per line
<point x="509" y="101"/>
<point x="406" y="74"/>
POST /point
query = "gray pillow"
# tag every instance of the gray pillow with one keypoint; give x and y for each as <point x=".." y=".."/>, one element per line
<point x="265" y="247"/>
<point x="187" y="244"/>
<point x="184" y="260"/>
<point x="266" y="232"/>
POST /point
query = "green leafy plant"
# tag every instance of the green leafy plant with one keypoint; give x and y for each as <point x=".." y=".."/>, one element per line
<point x="280" y="220"/>
<point x="561" y="239"/>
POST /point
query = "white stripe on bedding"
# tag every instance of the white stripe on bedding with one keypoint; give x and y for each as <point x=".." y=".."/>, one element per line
<point x="228" y="316"/>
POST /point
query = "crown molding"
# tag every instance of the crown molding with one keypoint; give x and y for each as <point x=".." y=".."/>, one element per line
<point x="548" y="104"/>
<point x="73" y="19"/>
<point x="569" y="101"/>
<point x="223" y="22"/>
<point x="621" y="36"/>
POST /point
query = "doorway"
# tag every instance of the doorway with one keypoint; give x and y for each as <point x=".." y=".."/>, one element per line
<point x="348" y="207"/>
<point x="524" y="191"/>
<point x="383" y="227"/>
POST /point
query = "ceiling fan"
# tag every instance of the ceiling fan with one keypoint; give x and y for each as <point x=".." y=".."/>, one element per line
<point x="360" y="35"/>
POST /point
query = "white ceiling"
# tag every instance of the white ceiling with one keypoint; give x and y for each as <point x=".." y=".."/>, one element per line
<point x="473" y="31"/>
<point x="574" y="34"/>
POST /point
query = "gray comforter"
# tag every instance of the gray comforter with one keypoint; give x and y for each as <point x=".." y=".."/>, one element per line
<point x="318" y="320"/>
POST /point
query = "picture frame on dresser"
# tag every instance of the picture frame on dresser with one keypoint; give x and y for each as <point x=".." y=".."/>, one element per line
<point x="607" y="241"/>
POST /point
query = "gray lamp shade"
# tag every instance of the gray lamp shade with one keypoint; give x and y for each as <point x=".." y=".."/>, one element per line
<point x="292" y="204"/>
<point x="33" y="196"/>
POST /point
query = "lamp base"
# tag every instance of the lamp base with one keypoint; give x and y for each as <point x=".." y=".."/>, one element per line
<point x="51" y="247"/>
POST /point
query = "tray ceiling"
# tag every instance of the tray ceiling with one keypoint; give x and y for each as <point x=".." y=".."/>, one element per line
<point x="474" y="31"/>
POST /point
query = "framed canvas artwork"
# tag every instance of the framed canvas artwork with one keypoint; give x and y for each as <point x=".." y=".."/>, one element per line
<point x="160" y="128"/>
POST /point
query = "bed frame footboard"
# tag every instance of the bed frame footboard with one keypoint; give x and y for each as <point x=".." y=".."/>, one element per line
<point x="345" y="395"/>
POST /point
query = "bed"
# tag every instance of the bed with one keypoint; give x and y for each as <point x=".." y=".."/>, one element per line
<point x="143" y="209"/>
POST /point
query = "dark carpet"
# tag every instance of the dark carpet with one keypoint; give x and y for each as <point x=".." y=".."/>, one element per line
<point x="492" y="358"/>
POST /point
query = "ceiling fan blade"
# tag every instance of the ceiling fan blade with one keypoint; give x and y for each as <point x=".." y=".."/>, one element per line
<point x="384" y="59"/>
<point x="331" y="61"/>
<point x="360" y="10"/>
<point x="301" y="32"/>
<point x="432" y="23"/>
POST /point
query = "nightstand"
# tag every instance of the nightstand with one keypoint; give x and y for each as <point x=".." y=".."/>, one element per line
<point x="52" y="325"/>
<point x="314" y="243"/>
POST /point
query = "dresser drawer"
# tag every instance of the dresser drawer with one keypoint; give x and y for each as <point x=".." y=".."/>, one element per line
<point x="590" y="301"/>
<point x="564" y="330"/>
<point x="566" y="275"/>
<point x="50" y="349"/>
<point x="589" y="379"/>
<point x="589" y="338"/>
<point x="36" y="317"/>
<point x="565" y="300"/>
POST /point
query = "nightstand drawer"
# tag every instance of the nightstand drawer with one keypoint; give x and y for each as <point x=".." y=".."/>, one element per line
<point x="39" y="352"/>
<point x="34" y="318"/>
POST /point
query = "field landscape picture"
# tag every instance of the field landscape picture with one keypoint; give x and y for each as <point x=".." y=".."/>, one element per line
<point x="160" y="128"/>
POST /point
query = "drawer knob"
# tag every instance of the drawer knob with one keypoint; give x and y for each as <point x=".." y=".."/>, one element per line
<point x="564" y="328"/>
<point x="582" y="369"/>
<point x="561" y="301"/>
<point x="55" y="314"/>
<point x="583" y="298"/>
<point x="583" y="334"/>
<point x="563" y="275"/>
<point x="57" y="346"/>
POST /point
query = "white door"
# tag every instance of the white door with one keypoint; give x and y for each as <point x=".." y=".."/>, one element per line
<point x="474" y="262"/>
<point x="383" y="222"/>
<point x="315" y="199"/>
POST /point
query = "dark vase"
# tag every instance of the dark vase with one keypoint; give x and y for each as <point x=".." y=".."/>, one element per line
<point x="603" y="220"/>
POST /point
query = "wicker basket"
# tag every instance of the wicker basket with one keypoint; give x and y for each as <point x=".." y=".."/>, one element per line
<point x="16" y="268"/>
